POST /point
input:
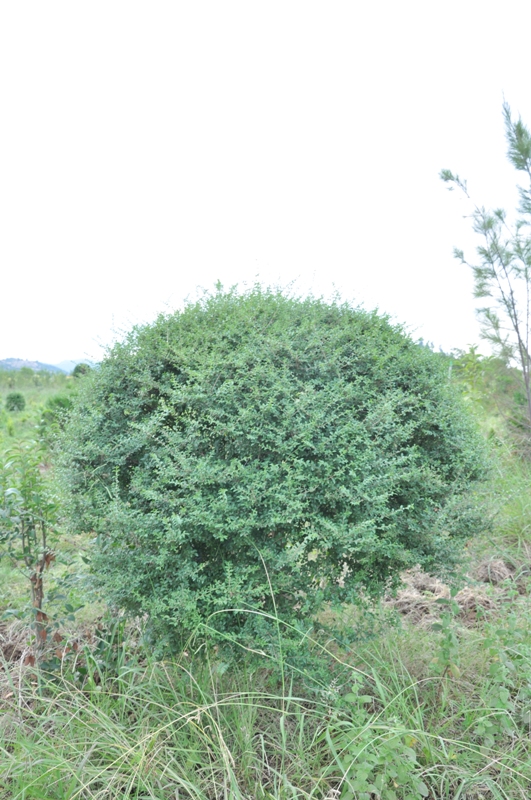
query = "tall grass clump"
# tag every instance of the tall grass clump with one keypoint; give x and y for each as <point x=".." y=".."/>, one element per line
<point x="114" y="723"/>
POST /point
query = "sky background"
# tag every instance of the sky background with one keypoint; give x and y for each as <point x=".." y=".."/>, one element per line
<point x="147" y="149"/>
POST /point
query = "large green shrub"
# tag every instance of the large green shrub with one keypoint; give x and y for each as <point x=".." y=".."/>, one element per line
<point x="266" y="453"/>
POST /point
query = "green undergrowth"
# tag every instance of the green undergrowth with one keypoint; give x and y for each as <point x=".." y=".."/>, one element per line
<point x="389" y="722"/>
<point x="508" y="501"/>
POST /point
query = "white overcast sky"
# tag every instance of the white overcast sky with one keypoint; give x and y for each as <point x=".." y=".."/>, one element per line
<point x="150" y="148"/>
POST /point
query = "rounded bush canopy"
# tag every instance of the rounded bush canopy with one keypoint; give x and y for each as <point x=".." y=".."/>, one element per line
<point x="267" y="454"/>
<point x="80" y="370"/>
<point x="15" y="401"/>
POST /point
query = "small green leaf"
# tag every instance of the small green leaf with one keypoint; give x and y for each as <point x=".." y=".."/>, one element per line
<point x="351" y="698"/>
<point x="11" y="612"/>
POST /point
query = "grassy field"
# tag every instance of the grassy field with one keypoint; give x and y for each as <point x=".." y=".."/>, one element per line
<point x="433" y="700"/>
<point x="36" y="388"/>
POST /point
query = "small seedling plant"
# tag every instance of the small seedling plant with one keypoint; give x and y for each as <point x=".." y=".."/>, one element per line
<point x="372" y="757"/>
<point x="28" y="516"/>
<point x="446" y="661"/>
<point x="506" y="695"/>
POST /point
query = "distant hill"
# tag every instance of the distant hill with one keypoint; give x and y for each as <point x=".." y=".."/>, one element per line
<point x="68" y="366"/>
<point x="37" y="366"/>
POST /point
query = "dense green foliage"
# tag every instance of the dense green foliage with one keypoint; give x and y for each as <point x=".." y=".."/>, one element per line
<point x="267" y="454"/>
<point x="15" y="401"/>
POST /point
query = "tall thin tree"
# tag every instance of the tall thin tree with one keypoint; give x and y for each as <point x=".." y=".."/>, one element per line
<point x="502" y="274"/>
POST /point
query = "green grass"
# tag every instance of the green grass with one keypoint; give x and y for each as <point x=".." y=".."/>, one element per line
<point x="36" y="389"/>
<point x="133" y="727"/>
<point x="13" y="586"/>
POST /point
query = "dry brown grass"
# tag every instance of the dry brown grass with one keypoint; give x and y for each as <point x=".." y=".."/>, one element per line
<point x="493" y="571"/>
<point x="13" y="643"/>
<point x="417" y="601"/>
